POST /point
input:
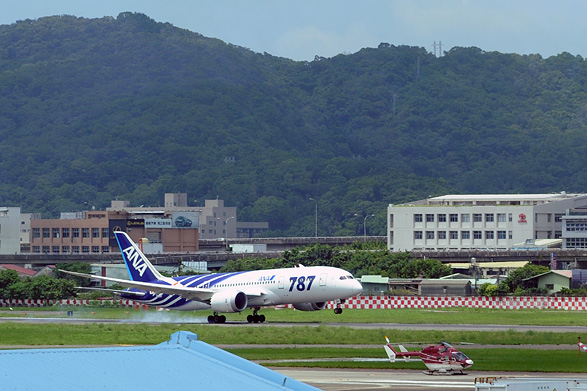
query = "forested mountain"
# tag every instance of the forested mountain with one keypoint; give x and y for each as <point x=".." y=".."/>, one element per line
<point x="129" y="108"/>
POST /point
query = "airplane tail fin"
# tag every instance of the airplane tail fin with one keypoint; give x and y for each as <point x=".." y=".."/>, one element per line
<point x="139" y="267"/>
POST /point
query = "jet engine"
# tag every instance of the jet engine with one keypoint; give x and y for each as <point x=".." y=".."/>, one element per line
<point x="310" y="306"/>
<point x="229" y="301"/>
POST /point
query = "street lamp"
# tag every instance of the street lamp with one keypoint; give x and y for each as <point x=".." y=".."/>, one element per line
<point x="365" y="226"/>
<point x="226" y="232"/>
<point x="316" y="220"/>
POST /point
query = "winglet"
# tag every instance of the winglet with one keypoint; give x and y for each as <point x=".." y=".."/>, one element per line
<point x="139" y="267"/>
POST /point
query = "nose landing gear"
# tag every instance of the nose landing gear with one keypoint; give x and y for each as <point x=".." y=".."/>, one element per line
<point x="338" y="310"/>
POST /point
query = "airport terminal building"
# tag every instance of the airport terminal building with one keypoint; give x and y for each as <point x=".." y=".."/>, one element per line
<point x="487" y="221"/>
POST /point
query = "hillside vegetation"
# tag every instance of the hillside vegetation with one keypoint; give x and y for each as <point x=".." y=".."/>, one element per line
<point x="129" y="108"/>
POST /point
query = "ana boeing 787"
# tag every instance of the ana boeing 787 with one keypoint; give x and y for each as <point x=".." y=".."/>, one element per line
<point x="306" y="288"/>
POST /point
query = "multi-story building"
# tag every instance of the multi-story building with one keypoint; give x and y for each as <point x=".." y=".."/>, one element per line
<point x="173" y="228"/>
<point x="217" y="220"/>
<point x="10" y="230"/>
<point x="495" y="222"/>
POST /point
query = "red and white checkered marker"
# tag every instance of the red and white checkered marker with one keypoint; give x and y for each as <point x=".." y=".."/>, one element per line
<point x="582" y="346"/>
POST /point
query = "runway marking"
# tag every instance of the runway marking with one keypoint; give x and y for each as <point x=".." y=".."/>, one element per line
<point x="421" y="383"/>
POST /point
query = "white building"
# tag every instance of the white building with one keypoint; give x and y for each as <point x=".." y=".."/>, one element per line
<point x="490" y="221"/>
<point x="10" y="222"/>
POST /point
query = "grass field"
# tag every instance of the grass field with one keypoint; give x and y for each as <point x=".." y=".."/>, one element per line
<point x="315" y="330"/>
<point x="409" y="316"/>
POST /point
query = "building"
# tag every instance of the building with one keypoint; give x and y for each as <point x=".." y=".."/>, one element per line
<point x="173" y="228"/>
<point x="216" y="220"/>
<point x="183" y="363"/>
<point x="487" y="222"/>
<point x="10" y="222"/>
<point x="552" y="281"/>
<point x="251" y="229"/>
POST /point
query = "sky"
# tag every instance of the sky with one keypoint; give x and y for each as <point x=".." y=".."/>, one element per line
<point x="303" y="29"/>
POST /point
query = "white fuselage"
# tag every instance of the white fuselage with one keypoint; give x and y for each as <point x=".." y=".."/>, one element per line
<point x="265" y="287"/>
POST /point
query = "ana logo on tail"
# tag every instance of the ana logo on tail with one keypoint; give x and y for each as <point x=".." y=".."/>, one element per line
<point x="134" y="257"/>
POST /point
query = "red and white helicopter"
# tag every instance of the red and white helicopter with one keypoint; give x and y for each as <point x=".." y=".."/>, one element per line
<point x="439" y="359"/>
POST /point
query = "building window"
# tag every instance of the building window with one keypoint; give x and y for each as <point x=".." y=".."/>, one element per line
<point x="417" y="235"/>
<point x="45" y="249"/>
<point x="46" y="233"/>
<point x="441" y="234"/>
<point x="465" y="218"/>
<point x="55" y="249"/>
<point x="477" y="217"/>
<point x="55" y="233"/>
<point x="489" y="234"/>
<point x="95" y="232"/>
<point x="558" y="217"/>
<point x="95" y="249"/>
<point x="429" y="218"/>
<point x="510" y="218"/>
<point x="477" y="235"/>
<point x="85" y="232"/>
<point x="454" y="218"/>
<point x="105" y="232"/>
<point x="105" y="249"/>
<point x="489" y="217"/>
<point x="465" y="234"/>
<point x="417" y="218"/>
<point x="65" y="232"/>
<point x="36" y="233"/>
<point x="558" y="234"/>
<point x="75" y="233"/>
<point x="429" y="234"/>
<point x="442" y="218"/>
<point x="85" y="249"/>
<point x="65" y="249"/>
<point x="36" y="249"/>
<point x="75" y="249"/>
<point x="501" y="218"/>
<point x="501" y="235"/>
<point x="454" y="234"/>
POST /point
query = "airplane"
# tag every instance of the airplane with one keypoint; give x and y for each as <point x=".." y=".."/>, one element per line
<point x="439" y="359"/>
<point x="306" y="288"/>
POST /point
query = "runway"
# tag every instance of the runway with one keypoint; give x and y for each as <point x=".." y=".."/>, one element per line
<point x="158" y="318"/>
<point x="399" y="380"/>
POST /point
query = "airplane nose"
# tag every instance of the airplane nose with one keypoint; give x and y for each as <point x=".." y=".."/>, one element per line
<point x="357" y="288"/>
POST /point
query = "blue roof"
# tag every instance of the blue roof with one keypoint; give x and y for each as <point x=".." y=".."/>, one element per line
<point x="182" y="361"/>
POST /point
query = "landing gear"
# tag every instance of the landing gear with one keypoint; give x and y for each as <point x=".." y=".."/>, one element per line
<point x="256" y="318"/>
<point x="338" y="310"/>
<point x="216" y="318"/>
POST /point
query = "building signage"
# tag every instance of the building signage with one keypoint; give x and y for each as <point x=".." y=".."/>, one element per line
<point x="115" y="225"/>
<point x="135" y="223"/>
<point x="158" y="223"/>
<point x="185" y="219"/>
<point x="522" y="218"/>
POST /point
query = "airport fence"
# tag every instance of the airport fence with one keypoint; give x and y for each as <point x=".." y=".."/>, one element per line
<point x="372" y="302"/>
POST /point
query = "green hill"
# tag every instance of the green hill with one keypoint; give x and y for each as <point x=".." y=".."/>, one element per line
<point x="128" y="108"/>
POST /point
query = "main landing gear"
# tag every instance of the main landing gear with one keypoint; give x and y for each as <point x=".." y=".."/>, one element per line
<point x="255" y="318"/>
<point x="216" y="318"/>
<point x="338" y="310"/>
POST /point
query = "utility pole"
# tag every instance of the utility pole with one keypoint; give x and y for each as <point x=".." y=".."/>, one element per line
<point x="316" y="218"/>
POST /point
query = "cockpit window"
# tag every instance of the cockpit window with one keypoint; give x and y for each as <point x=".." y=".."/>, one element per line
<point x="346" y="278"/>
<point x="343" y="277"/>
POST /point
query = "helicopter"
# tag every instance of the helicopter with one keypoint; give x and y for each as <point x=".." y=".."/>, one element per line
<point x="439" y="359"/>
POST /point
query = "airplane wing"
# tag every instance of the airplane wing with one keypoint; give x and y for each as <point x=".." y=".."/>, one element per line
<point x="188" y="293"/>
